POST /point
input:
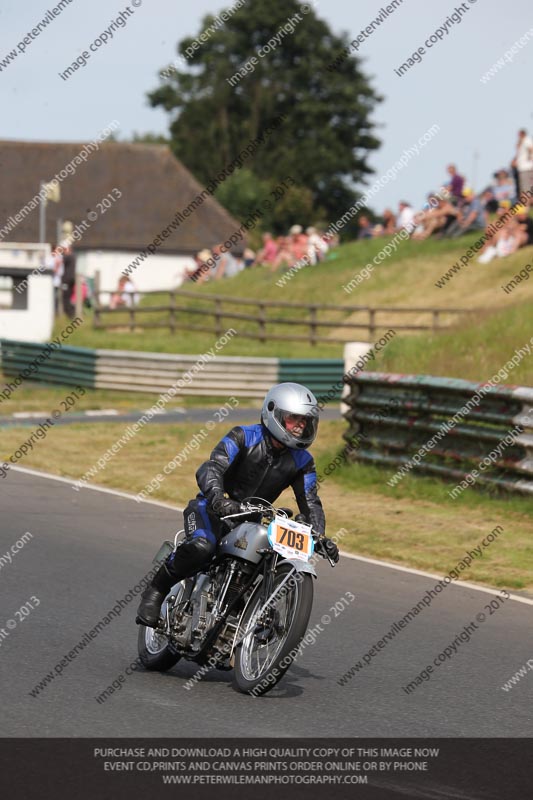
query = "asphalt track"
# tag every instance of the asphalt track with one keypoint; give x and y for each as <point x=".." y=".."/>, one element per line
<point x="89" y="548"/>
<point x="180" y="415"/>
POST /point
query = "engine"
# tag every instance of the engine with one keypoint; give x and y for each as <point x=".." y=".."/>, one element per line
<point x="201" y="601"/>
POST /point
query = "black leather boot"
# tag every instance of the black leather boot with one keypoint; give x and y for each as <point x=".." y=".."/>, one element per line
<point x="187" y="560"/>
<point x="153" y="596"/>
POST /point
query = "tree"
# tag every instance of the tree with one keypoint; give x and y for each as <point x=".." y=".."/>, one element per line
<point x="327" y="132"/>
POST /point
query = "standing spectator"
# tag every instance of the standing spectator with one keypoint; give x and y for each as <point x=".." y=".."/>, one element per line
<point x="524" y="161"/>
<point x="69" y="280"/>
<point x="406" y="217"/>
<point x="456" y="184"/>
<point x="365" y="229"/>
<point x="55" y="263"/>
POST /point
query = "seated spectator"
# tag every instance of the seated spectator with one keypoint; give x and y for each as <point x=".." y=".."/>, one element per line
<point x="456" y="184"/>
<point x="249" y="257"/>
<point x="298" y="243"/>
<point x="267" y="255"/>
<point x="227" y="265"/>
<point x="316" y="246"/>
<point x="365" y="228"/>
<point x="406" y="217"/>
<point x="284" y="255"/>
<point x="472" y="216"/>
<point x="389" y="222"/>
<point x="125" y="294"/>
<point x="202" y="269"/>
<point x="525" y="226"/>
<point x="437" y="220"/>
<point x="503" y="188"/>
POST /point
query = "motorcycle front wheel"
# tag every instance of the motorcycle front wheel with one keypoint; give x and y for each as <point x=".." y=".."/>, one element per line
<point x="271" y="636"/>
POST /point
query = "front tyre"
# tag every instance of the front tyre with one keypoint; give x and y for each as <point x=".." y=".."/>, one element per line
<point x="274" y="634"/>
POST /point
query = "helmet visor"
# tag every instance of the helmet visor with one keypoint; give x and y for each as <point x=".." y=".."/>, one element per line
<point x="302" y="427"/>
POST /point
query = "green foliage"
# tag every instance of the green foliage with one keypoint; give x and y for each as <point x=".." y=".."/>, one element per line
<point x="243" y="191"/>
<point x="149" y="138"/>
<point x="327" y="135"/>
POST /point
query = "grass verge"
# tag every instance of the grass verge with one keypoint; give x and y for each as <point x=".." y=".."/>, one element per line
<point x="416" y="524"/>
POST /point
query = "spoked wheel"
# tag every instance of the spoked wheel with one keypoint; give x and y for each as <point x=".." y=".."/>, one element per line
<point x="272" y="635"/>
<point x="154" y="652"/>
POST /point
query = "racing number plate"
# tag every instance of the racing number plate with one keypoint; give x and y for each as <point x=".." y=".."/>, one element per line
<point x="291" y="539"/>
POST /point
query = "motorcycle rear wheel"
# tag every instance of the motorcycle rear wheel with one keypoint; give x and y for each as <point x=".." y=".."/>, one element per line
<point x="269" y="648"/>
<point x="153" y="649"/>
<point x="154" y="652"/>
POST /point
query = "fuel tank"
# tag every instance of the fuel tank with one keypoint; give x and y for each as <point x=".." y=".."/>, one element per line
<point x="244" y="541"/>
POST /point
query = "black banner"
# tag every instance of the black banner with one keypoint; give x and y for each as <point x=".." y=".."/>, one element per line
<point x="377" y="769"/>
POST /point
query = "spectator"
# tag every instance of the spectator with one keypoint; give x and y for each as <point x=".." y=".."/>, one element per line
<point x="284" y="254"/>
<point x="267" y="255"/>
<point x="365" y="229"/>
<point x="86" y="298"/>
<point x="472" y="216"/>
<point x="456" y="184"/>
<point x="55" y="263"/>
<point x="524" y="161"/>
<point x="437" y="220"/>
<point x="249" y="257"/>
<point x="406" y="217"/>
<point x="525" y="226"/>
<point x="316" y="246"/>
<point x="227" y="266"/>
<point x="389" y="222"/>
<point x="69" y="280"/>
<point x="503" y="188"/>
<point x="298" y="243"/>
<point x="125" y="294"/>
<point x="200" y="271"/>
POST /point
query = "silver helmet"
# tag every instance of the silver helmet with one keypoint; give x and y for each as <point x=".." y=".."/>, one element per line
<point x="285" y="403"/>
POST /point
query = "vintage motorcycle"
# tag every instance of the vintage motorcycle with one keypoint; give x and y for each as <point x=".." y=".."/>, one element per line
<point x="248" y="609"/>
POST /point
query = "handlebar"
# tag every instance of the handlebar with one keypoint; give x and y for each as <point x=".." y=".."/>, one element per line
<point x="267" y="510"/>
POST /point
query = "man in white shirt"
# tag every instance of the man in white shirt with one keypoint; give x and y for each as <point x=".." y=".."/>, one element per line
<point x="524" y="161"/>
<point x="406" y="217"/>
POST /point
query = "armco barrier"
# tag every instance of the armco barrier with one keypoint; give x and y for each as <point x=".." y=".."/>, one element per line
<point x="157" y="372"/>
<point x="396" y="415"/>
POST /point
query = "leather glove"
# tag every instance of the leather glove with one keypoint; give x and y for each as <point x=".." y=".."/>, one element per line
<point x="223" y="506"/>
<point x="327" y="547"/>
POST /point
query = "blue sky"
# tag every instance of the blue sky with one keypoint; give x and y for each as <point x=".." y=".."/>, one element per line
<point x="478" y="122"/>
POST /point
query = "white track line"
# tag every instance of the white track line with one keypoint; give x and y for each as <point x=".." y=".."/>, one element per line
<point x="127" y="495"/>
<point x="411" y="571"/>
<point x="376" y="562"/>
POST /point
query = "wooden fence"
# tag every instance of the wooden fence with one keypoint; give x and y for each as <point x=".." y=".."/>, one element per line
<point x="269" y="320"/>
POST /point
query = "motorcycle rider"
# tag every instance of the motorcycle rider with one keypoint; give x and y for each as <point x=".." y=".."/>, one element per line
<point x="260" y="460"/>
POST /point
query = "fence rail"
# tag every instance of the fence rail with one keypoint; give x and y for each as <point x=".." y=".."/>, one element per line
<point x="395" y="415"/>
<point x="157" y="372"/>
<point x="311" y="318"/>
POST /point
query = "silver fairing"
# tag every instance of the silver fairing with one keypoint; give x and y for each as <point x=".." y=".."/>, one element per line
<point x="244" y="541"/>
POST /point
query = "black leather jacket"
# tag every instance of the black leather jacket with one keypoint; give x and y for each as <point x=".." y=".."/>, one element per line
<point x="246" y="464"/>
